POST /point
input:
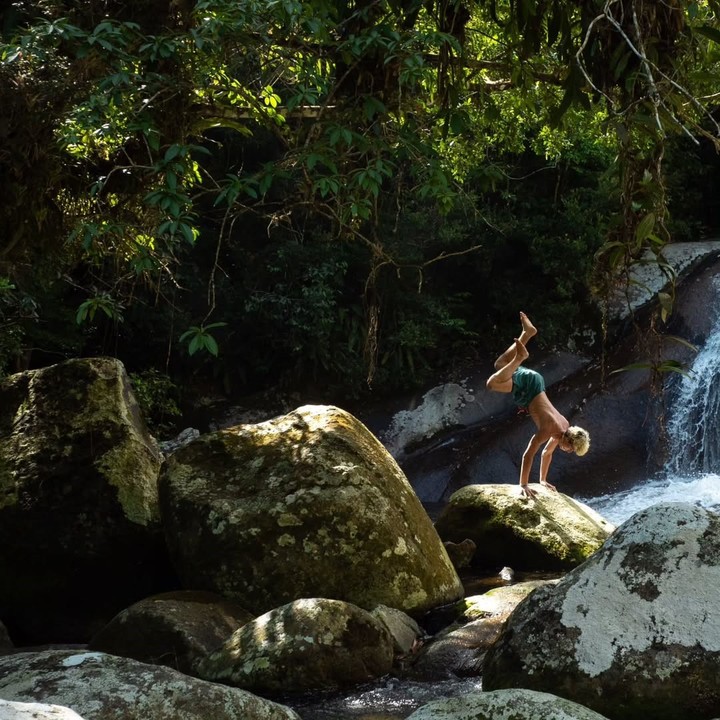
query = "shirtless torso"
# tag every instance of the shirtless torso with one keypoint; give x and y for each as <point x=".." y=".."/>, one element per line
<point x="551" y="426"/>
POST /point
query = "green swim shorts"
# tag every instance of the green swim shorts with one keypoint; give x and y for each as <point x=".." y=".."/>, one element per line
<point x="527" y="385"/>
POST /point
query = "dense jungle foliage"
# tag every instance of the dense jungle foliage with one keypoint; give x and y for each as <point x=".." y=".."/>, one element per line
<point x="348" y="194"/>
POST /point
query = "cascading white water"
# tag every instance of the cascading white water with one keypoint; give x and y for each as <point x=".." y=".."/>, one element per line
<point x="694" y="423"/>
<point x="692" y="473"/>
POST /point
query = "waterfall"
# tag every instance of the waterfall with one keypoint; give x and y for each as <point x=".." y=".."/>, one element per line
<point x="692" y="473"/>
<point x="694" y="422"/>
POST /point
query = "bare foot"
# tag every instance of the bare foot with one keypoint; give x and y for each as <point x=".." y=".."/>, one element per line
<point x="528" y="328"/>
<point x="521" y="352"/>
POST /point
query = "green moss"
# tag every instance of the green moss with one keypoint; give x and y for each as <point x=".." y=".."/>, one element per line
<point x="323" y="503"/>
<point x="133" y="470"/>
<point x="8" y="486"/>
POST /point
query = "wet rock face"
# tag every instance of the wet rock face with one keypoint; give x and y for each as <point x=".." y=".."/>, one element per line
<point x="461" y="553"/>
<point x="78" y="500"/>
<point x="550" y="532"/>
<point x="308" y="644"/>
<point x="5" y="642"/>
<point x="631" y="633"/>
<point x="459" y="649"/>
<point x="309" y="504"/>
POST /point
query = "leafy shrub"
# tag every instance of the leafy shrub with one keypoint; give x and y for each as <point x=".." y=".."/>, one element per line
<point x="157" y="397"/>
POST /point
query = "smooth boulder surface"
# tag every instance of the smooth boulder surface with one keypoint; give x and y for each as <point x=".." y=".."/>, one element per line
<point x="103" y="687"/>
<point x="313" y="643"/>
<point x="634" y="632"/>
<point x="309" y="504"/>
<point x="498" y="602"/>
<point x="35" y="711"/>
<point x="505" y="705"/>
<point x="549" y="532"/>
<point x="80" y="534"/>
<point x="176" y="629"/>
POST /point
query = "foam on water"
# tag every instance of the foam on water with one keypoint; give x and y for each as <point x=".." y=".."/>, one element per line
<point x="387" y="699"/>
<point x="702" y="490"/>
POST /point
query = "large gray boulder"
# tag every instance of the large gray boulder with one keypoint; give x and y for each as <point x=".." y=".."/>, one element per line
<point x="309" y="504"/>
<point x="78" y="501"/>
<point x="634" y="631"/>
<point x="104" y="687"/>
<point x="312" y="643"/>
<point x="505" y="705"/>
<point x="550" y="532"/>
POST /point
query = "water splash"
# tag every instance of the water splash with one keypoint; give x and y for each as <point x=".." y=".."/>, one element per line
<point x="699" y="489"/>
<point x="388" y="699"/>
<point x="694" y="423"/>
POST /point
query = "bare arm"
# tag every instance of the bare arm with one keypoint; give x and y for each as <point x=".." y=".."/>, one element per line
<point x="545" y="460"/>
<point x="527" y="461"/>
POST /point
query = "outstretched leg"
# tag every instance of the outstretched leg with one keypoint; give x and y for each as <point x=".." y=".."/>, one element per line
<point x="501" y="380"/>
<point x="512" y="358"/>
<point x="528" y="331"/>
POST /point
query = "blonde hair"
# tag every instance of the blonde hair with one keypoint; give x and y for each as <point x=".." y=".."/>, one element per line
<point x="579" y="439"/>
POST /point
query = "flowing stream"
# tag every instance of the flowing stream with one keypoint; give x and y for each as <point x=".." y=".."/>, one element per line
<point x="389" y="699"/>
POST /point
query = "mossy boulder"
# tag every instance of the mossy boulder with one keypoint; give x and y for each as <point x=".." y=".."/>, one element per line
<point x="309" y="504"/>
<point x="550" y="532"/>
<point x="309" y="644"/>
<point x="631" y="633"/>
<point x="80" y="536"/>
<point x="177" y="629"/>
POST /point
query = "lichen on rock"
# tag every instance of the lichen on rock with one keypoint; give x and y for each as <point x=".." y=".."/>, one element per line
<point x="309" y="504"/>
<point x="633" y="631"/>
<point x="96" y="685"/>
<point x="312" y="643"/>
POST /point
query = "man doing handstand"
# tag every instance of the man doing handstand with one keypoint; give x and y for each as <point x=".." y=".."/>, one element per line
<point x="528" y="389"/>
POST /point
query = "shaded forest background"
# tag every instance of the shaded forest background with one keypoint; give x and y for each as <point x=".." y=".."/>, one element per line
<point x="354" y="196"/>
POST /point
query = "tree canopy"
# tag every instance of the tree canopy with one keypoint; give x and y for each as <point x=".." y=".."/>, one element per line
<point x="321" y="180"/>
